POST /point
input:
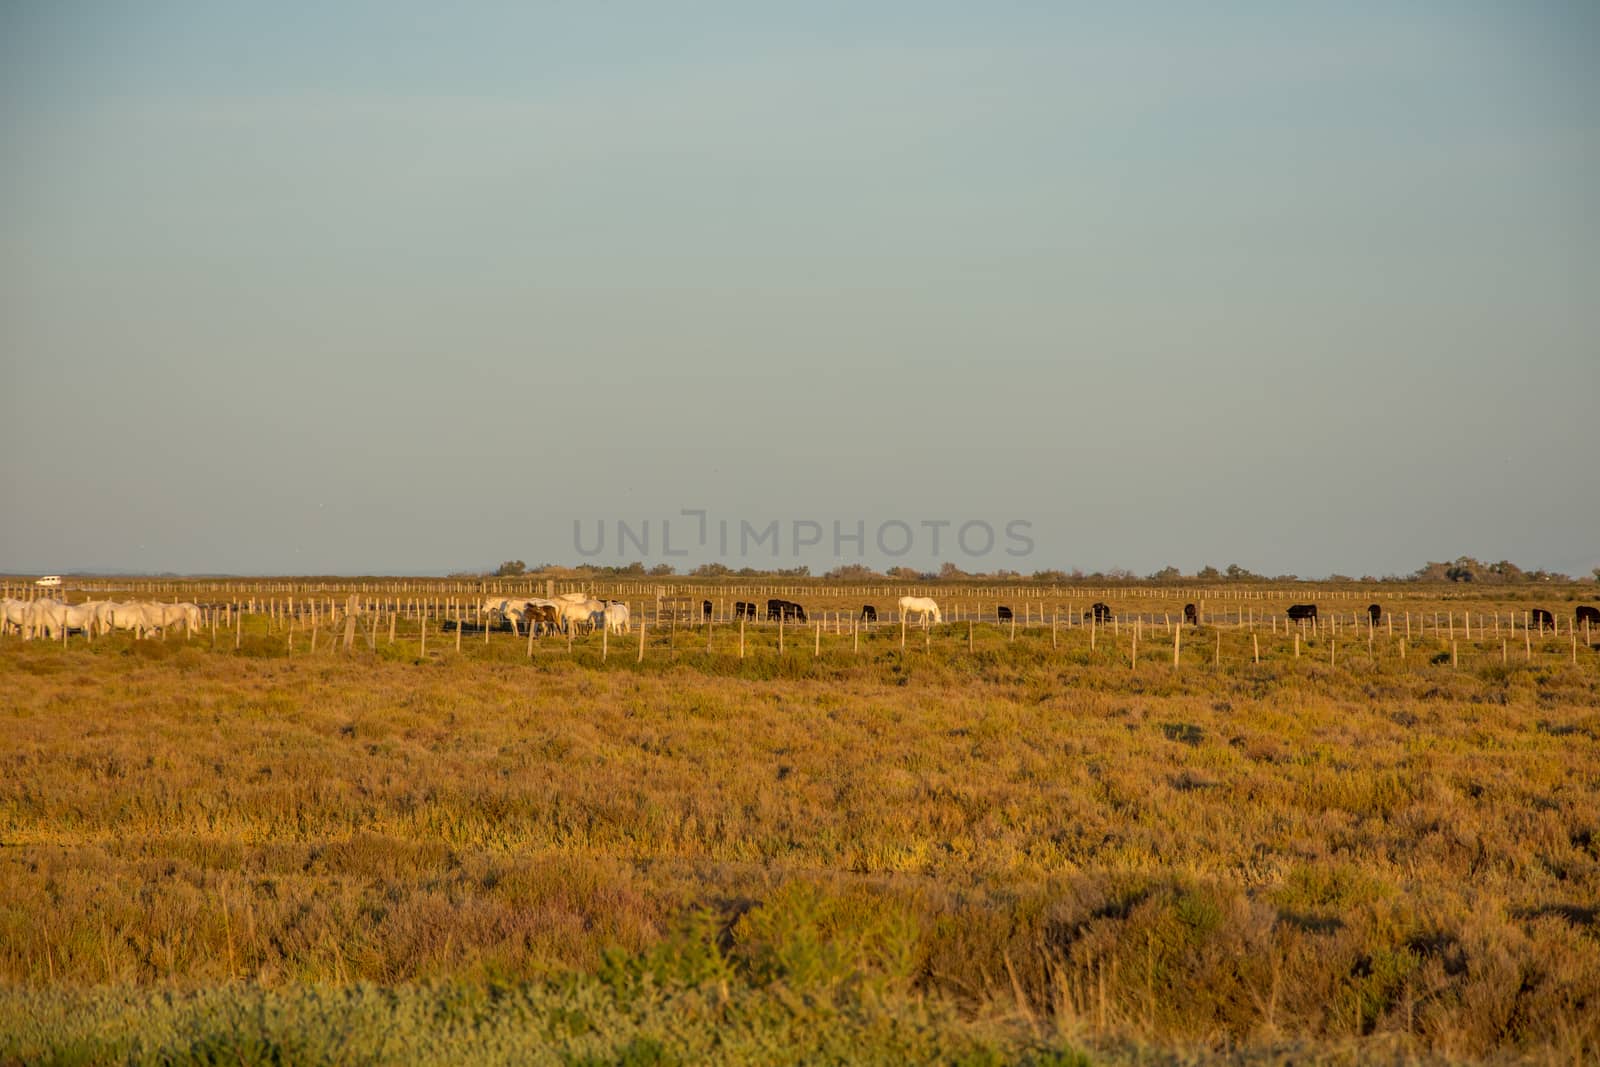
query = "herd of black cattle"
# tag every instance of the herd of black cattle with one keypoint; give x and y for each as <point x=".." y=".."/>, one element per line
<point x="788" y="611"/>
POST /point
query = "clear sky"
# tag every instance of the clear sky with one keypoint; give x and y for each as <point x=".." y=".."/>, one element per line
<point x="393" y="287"/>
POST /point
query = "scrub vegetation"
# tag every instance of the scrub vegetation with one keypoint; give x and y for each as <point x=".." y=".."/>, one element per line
<point x="1017" y="854"/>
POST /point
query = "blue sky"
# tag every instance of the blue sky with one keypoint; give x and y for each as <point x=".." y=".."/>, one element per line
<point x="395" y="288"/>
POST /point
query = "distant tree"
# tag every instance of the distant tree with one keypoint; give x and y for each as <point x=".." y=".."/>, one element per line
<point x="511" y="568"/>
<point x="1208" y="573"/>
<point x="1120" y="574"/>
<point x="852" y="572"/>
<point x="903" y="572"/>
<point x="1339" y="578"/>
<point x="1050" y="576"/>
<point x="661" y="570"/>
<point x="1240" y="574"/>
<point x="634" y="568"/>
<point x="1166" y="574"/>
<point x="950" y="570"/>
<point x="793" y="572"/>
<point x="710" y="570"/>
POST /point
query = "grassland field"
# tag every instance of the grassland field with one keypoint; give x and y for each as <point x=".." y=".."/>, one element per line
<point x="1030" y="852"/>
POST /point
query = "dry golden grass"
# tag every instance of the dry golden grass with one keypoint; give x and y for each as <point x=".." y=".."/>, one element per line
<point x="1408" y="856"/>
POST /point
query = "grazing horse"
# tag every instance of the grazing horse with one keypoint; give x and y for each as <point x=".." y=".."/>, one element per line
<point x="44" y="618"/>
<point x="575" y="613"/>
<point x="1586" y="614"/>
<point x="1004" y="614"/>
<point x="869" y="614"/>
<point x="1191" y="616"/>
<point x="13" y="613"/>
<point x="1098" y="612"/>
<point x="617" y="617"/>
<point x="508" y="610"/>
<point x="744" y="609"/>
<point x="1302" y="612"/>
<point x="922" y="606"/>
<point x="705" y="610"/>
<point x="1375" y="613"/>
<point x="1542" y="619"/>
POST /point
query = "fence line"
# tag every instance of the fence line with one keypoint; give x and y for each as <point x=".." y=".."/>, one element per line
<point x="1347" y="637"/>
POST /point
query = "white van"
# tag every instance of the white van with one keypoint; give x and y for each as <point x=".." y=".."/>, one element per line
<point x="49" y="580"/>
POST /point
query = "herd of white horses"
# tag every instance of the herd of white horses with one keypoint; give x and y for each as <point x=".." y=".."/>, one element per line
<point x="53" y="619"/>
<point x="568" y="612"/>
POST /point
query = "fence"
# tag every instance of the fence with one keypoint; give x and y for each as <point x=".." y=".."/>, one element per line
<point x="1397" y="635"/>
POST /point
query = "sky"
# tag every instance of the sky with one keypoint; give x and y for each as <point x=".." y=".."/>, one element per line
<point x="384" y="288"/>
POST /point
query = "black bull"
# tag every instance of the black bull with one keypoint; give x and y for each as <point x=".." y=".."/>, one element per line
<point x="785" y="610"/>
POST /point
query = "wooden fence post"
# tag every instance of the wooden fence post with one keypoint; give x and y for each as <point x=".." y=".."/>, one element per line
<point x="1177" y="643"/>
<point x="641" y="634"/>
<point x="741" y="636"/>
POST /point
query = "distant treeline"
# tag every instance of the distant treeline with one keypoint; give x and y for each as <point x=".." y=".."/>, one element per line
<point x="1463" y="569"/>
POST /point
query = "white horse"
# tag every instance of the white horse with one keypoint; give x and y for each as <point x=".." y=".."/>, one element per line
<point x="617" y="617"/>
<point x="13" y="613"/>
<point x="581" y="613"/>
<point x="922" y="606"/>
<point x="132" y="615"/>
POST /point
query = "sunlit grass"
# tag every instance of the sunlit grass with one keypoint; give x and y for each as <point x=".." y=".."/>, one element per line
<point x="1040" y="845"/>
